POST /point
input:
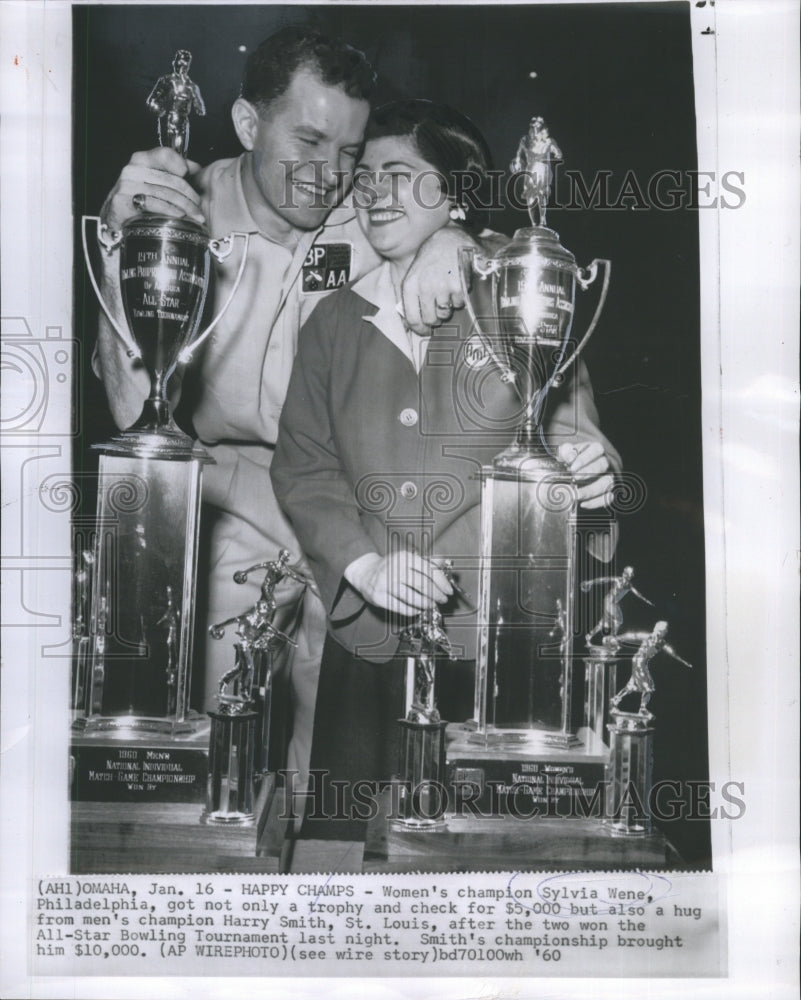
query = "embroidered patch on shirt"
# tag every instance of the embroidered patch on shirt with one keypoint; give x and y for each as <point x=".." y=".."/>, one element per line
<point x="327" y="266"/>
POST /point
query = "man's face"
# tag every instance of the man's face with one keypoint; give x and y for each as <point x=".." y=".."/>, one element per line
<point x="305" y="147"/>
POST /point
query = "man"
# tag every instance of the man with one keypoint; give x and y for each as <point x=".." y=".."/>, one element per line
<point x="300" y="119"/>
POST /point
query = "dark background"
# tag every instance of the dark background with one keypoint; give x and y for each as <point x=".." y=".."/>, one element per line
<point x="615" y="85"/>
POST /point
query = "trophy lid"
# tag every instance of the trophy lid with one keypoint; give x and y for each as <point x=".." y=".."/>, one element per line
<point x="164" y="227"/>
<point x="537" y="242"/>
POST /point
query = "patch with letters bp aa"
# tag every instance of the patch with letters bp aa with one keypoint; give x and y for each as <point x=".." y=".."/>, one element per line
<point x="326" y="267"/>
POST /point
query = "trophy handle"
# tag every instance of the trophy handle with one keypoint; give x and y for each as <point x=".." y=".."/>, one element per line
<point x="219" y="249"/>
<point x="585" y="278"/>
<point x="109" y="240"/>
<point x="485" y="268"/>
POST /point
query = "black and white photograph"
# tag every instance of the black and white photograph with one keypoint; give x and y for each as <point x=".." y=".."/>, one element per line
<point x="367" y="459"/>
<point x="394" y="489"/>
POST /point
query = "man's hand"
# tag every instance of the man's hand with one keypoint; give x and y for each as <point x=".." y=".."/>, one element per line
<point x="432" y="288"/>
<point x="403" y="582"/>
<point x="589" y="465"/>
<point x="162" y="176"/>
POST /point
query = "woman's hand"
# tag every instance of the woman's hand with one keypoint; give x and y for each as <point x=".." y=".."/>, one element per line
<point x="404" y="583"/>
<point x="589" y="465"/>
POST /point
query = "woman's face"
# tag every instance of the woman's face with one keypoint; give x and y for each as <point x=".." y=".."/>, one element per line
<point x="398" y="198"/>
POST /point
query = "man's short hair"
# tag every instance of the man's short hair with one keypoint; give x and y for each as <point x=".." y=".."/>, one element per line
<point x="270" y="67"/>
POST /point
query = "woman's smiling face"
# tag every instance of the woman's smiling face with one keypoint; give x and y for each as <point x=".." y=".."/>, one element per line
<point x="398" y="197"/>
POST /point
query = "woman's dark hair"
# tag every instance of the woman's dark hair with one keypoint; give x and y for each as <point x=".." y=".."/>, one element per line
<point x="450" y="142"/>
<point x="271" y="66"/>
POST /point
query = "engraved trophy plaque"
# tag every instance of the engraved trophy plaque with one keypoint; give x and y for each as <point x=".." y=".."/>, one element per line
<point x="145" y="561"/>
<point x="521" y="303"/>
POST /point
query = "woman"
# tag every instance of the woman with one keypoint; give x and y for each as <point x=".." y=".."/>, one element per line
<point x="381" y="437"/>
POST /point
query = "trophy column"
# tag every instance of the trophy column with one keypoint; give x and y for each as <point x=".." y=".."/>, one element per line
<point x="600" y="684"/>
<point x="631" y="752"/>
<point x="143" y="593"/>
<point x="524" y="678"/>
<point x="145" y="561"/>
<point x="81" y="603"/>
<point x="422" y="799"/>
<point x="522" y="304"/>
<point x="232" y="740"/>
<point x="422" y="793"/>
<point x="138" y="740"/>
<point x="136" y="736"/>
<point x="631" y="734"/>
<point x="240" y="784"/>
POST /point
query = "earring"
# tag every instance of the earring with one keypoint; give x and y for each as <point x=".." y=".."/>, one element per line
<point x="457" y="213"/>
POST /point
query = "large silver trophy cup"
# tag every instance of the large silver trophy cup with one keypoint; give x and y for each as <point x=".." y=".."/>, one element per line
<point x="145" y="559"/>
<point x="164" y="276"/>
<point x="522" y="304"/>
